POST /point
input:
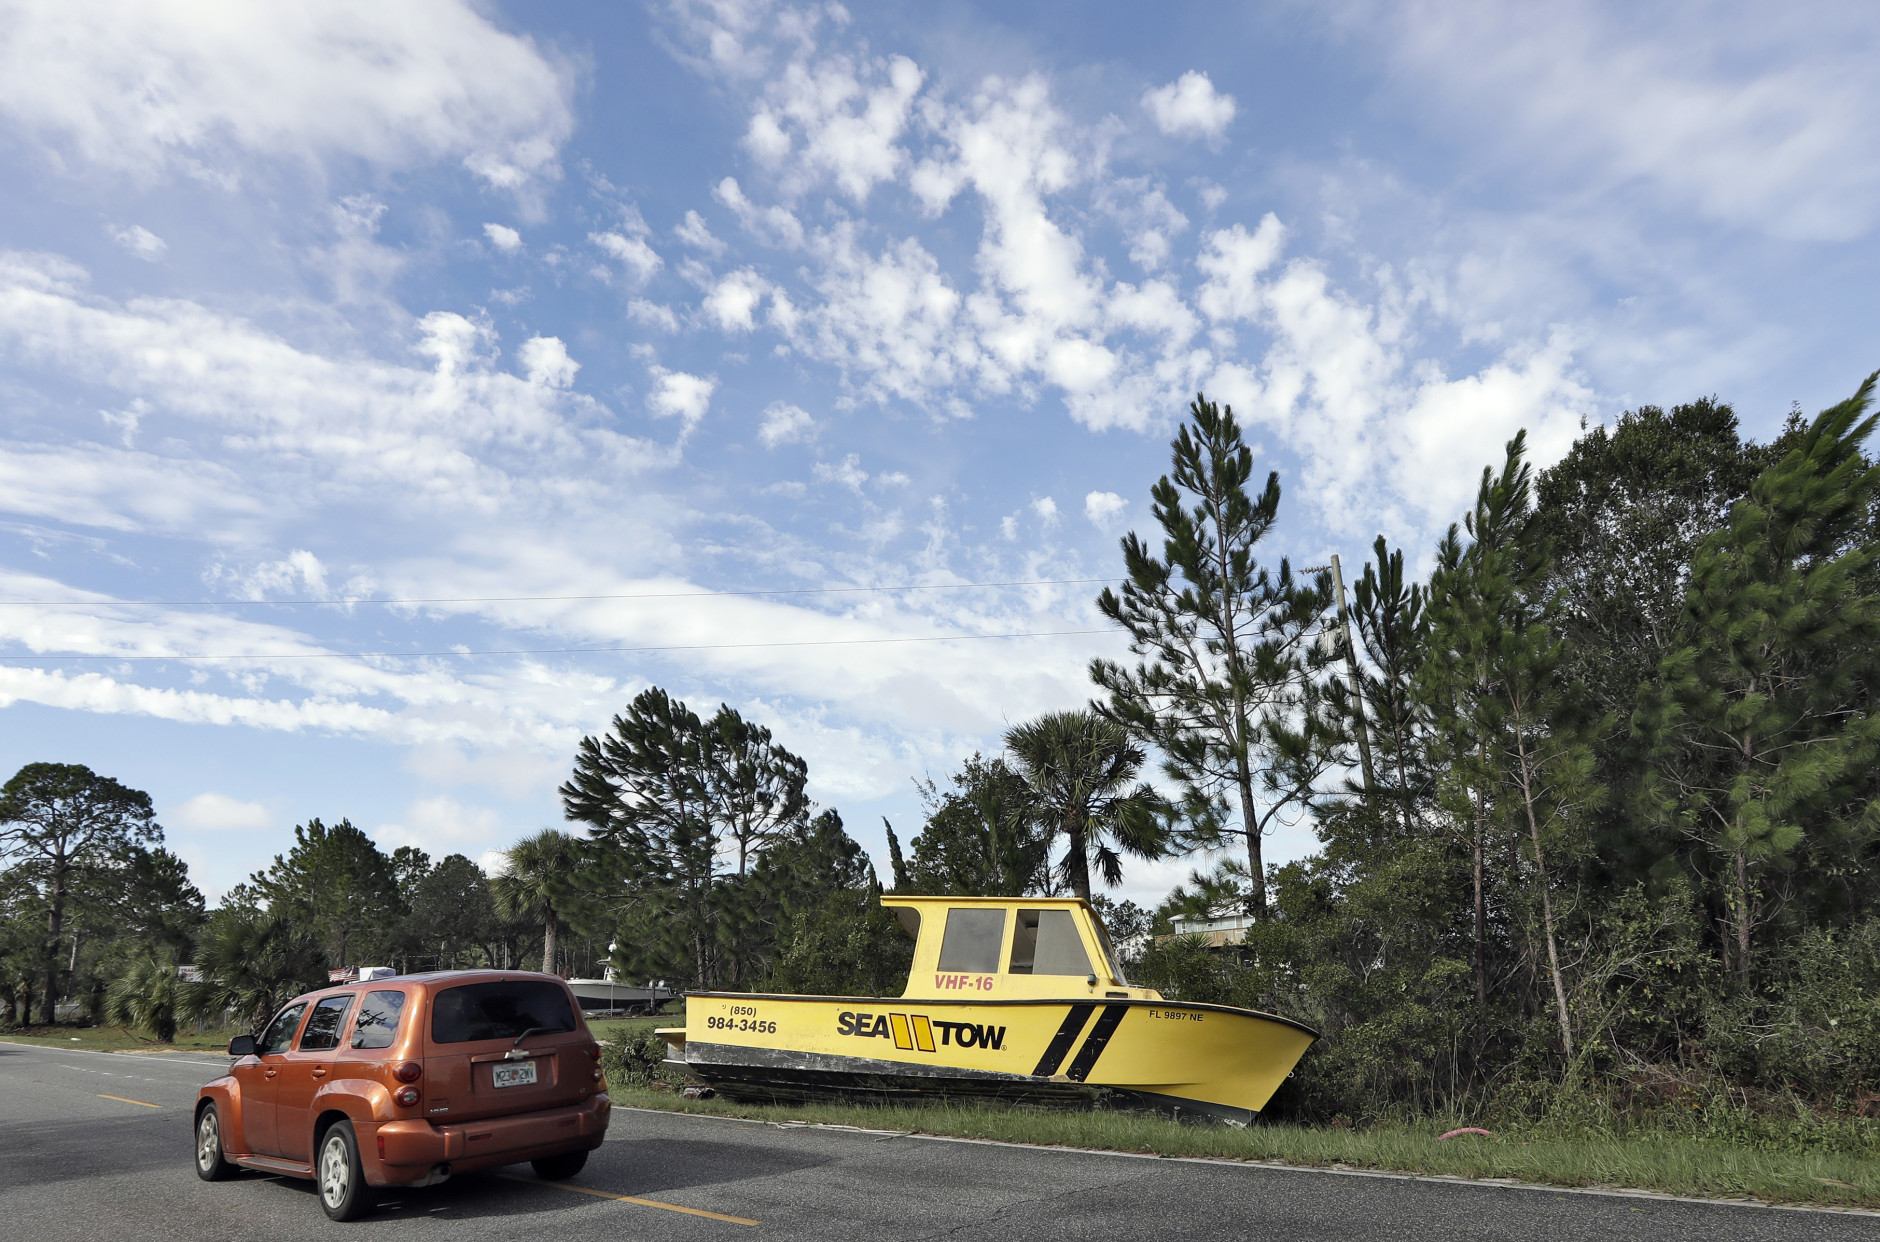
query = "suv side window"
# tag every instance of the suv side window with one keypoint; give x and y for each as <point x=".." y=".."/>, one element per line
<point x="280" y="1032"/>
<point x="324" y="1027"/>
<point x="378" y="1019"/>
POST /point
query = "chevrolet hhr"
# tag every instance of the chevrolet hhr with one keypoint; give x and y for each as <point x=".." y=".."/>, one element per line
<point x="405" y="1081"/>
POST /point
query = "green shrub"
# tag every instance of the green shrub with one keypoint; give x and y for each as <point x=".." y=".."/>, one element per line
<point x="634" y="1058"/>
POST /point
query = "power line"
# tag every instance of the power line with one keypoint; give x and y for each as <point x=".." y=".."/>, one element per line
<point x="530" y="599"/>
<point x="416" y="655"/>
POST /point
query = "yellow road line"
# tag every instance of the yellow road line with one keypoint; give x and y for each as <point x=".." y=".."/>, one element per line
<point x="654" y="1203"/>
<point x="120" y="1099"/>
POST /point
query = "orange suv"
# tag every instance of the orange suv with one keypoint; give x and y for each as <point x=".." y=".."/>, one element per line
<point x="404" y="1081"/>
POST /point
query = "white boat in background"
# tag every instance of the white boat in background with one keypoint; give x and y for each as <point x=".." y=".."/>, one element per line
<point x="607" y="996"/>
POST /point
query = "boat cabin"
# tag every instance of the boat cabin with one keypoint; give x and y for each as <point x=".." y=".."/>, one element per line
<point x="1009" y="948"/>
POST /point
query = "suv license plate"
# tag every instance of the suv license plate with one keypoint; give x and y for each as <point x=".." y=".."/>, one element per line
<point x="521" y="1074"/>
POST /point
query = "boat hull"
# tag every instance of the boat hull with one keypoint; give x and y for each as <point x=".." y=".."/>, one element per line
<point x="1206" y="1059"/>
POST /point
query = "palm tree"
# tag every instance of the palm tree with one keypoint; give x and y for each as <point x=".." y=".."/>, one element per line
<point x="251" y="962"/>
<point x="146" y="995"/>
<point x="539" y="884"/>
<point x="1080" y="768"/>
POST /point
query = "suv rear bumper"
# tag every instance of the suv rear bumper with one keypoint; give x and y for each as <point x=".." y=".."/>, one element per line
<point x="413" y="1149"/>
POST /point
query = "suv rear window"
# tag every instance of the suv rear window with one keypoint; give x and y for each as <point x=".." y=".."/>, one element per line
<point x="501" y="1010"/>
<point x="378" y="1020"/>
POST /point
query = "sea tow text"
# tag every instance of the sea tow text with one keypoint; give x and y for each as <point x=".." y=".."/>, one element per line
<point x="916" y="1031"/>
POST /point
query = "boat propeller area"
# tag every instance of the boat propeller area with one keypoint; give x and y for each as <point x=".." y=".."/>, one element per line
<point x="1009" y="997"/>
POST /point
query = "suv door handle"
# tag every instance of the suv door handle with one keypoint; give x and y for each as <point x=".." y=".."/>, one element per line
<point x="270" y="1073"/>
<point x="319" y="1071"/>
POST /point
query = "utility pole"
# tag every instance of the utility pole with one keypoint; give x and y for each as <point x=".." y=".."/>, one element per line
<point x="1357" y="686"/>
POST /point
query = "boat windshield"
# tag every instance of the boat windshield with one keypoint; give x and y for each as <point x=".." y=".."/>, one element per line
<point x="1109" y="953"/>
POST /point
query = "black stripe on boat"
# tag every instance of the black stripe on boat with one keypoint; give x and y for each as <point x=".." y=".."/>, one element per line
<point x="1067" y="1033"/>
<point x="1099" y="1039"/>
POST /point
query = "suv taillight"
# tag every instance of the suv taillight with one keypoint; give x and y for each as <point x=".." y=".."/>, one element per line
<point x="406" y="1096"/>
<point x="408" y="1071"/>
<point x="594" y="1052"/>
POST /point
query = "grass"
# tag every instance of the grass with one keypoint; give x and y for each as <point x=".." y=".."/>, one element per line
<point x="610" y="1029"/>
<point x="117" y="1039"/>
<point x="1671" y="1164"/>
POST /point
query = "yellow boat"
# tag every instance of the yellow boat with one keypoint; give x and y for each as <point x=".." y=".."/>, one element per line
<point x="1014" y="997"/>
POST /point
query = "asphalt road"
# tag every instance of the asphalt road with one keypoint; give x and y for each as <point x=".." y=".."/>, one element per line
<point x="77" y="1163"/>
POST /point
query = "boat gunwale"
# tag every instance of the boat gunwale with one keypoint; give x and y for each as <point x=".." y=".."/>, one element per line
<point x="1016" y="1000"/>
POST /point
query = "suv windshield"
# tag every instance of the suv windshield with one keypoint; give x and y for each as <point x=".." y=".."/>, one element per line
<point x="281" y="1030"/>
<point x="502" y="1010"/>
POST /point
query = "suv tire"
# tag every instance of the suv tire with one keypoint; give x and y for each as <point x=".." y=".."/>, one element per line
<point x="338" y="1176"/>
<point x="211" y="1164"/>
<point x="560" y="1168"/>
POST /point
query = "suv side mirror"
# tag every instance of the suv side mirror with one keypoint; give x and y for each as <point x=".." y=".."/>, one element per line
<point x="242" y="1046"/>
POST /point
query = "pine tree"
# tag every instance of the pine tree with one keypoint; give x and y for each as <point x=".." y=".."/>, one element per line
<point x="982" y="837"/>
<point x="754" y="784"/>
<point x="1226" y="683"/>
<point x="336" y="882"/>
<point x="643" y="790"/>
<point x="1393" y="628"/>
<point x="1496" y="662"/>
<point x="62" y="823"/>
<point x="1763" y="738"/>
<point x="662" y="791"/>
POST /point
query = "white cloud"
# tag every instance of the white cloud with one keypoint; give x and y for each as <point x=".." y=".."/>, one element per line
<point x="441" y="825"/>
<point x="836" y="119"/>
<point x="141" y="242"/>
<point x="545" y="359"/>
<point x="194" y="88"/>
<point x="299" y="574"/>
<point x="652" y="314"/>
<point x="1149" y="220"/>
<point x="89" y="485"/>
<point x="694" y="232"/>
<point x="632" y="251"/>
<point x="732" y="303"/>
<point x="1748" y="117"/>
<point x="1232" y="261"/>
<point x="453" y="426"/>
<point x="1190" y="106"/>
<point x="503" y="237"/>
<point x="773" y="225"/>
<point x="679" y="395"/>
<point x="1046" y="509"/>
<point x="848" y="472"/>
<point x="889" y="320"/>
<point x="214" y="812"/>
<point x="1104" y="508"/>
<point x="785" y="424"/>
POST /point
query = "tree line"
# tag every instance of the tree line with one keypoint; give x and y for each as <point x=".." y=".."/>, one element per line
<point x="1593" y="780"/>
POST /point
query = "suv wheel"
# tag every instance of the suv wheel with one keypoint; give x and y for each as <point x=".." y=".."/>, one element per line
<point x="211" y="1164"/>
<point x="560" y="1168"/>
<point x="336" y="1171"/>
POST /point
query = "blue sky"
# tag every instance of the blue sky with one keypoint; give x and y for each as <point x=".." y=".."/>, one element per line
<point x="578" y="320"/>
